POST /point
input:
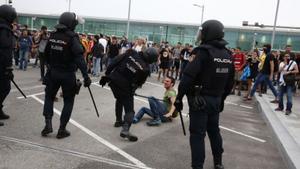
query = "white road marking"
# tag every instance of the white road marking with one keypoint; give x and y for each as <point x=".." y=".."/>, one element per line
<point x="226" y="102"/>
<point x="28" y="88"/>
<point x="154" y="84"/>
<point x="36" y="94"/>
<point x="236" y="132"/>
<point x="242" y="134"/>
<point x="95" y="136"/>
<point x="73" y="153"/>
<point x="225" y="128"/>
<point x="247" y="107"/>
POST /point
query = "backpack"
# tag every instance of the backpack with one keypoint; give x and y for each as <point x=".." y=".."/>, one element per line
<point x="98" y="50"/>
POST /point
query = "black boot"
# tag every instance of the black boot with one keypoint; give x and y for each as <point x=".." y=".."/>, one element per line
<point x="126" y="134"/>
<point x="3" y="116"/>
<point x="1" y="124"/>
<point x="62" y="132"/>
<point x="218" y="163"/>
<point x="48" y="128"/>
<point x="118" y="123"/>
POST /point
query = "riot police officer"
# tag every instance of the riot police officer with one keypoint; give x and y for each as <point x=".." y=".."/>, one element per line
<point x="206" y="81"/>
<point x="125" y="74"/>
<point x="63" y="55"/>
<point x="7" y="17"/>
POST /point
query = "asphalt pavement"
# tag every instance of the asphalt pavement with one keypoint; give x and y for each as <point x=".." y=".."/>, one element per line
<point x="249" y="140"/>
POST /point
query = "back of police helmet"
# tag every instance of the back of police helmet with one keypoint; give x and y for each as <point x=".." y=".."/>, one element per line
<point x="212" y="30"/>
<point x="150" y="55"/>
<point x="8" y="13"/>
<point x="70" y="20"/>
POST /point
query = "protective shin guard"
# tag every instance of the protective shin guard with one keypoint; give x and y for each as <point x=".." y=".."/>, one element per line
<point x="48" y="128"/>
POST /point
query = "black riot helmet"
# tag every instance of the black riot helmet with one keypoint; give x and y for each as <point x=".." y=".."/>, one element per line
<point x="212" y="30"/>
<point x="8" y="13"/>
<point x="150" y="55"/>
<point x="70" y="20"/>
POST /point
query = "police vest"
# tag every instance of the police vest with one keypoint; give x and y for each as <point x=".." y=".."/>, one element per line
<point x="59" y="52"/>
<point x="7" y="42"/>
<point x="132" y="70"/>
<point x="216" y="70"/>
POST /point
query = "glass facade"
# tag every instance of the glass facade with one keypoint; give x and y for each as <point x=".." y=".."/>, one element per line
<point x="243" y="37"/>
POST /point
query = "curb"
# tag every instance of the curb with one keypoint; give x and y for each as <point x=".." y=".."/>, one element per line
<point x="286" y="144"/>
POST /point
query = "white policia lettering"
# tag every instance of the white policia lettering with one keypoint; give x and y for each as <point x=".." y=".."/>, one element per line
<point x="136" y="63"/>
<point x="132" y="69"/>
<point x="219" y="60"/>
<point x="58" y="41"/>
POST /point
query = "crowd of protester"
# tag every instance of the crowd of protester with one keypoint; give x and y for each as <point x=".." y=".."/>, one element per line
<point x="252" y="68"/>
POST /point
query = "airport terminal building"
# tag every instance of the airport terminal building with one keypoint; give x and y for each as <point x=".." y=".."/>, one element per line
<point x="244" y="37"/>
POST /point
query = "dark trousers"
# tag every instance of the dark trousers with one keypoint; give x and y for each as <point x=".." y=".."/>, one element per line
<point x="67" y="81"/>
<point x="4" y="91"/>
<point x="42" y="64"/>
<point x="183" y="65"/>
<point x="127" y="104"/>
<point x="16" y="56"/>
<point x="202" y="121"/>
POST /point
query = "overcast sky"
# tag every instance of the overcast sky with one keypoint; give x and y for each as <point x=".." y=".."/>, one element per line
<point x="230" y="12"/>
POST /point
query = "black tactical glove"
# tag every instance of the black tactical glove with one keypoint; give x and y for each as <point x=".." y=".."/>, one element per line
<point x="104" y="80"/>
<point x="87" y="82"/>
<point x="178" y="104"/>
<point x="200" y="102"/>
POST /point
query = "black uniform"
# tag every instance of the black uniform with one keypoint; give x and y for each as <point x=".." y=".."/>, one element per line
<point x="7" y="16"/>
<point x="206" y="81"/>
<point x="63" y="55"/>
<point x="126" y="73"/>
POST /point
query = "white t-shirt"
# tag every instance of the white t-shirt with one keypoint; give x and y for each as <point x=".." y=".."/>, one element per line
<point x="282" y="65"/>
<point x="103" y="42"/>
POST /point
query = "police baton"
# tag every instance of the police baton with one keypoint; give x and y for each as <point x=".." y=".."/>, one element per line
<point x="182" y="123"/>
<point x="147" y="97"/>
<point x="93" y="101"/>
<point x="12" y="80"/>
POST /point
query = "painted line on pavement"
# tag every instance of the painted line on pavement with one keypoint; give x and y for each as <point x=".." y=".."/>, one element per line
<point x="247" y="107"/>
<point x="242" y="134"/>
<point x="27" y="88"/>
<point x="225" y="128"/>
<point x="73" y="153"/>
<point x="235" y="104"/>
<point x="154" y="84"/>
<point x="36" y="94"/>
<point x="95" y="136"/>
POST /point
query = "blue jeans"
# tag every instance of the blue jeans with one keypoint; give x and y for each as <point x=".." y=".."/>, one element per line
<point x="289" y="96"/>
<point x="23" y="58"/>
<point x="156" y="111"/>
<point x="263" y="78"/>
<point x="96" y="66"/>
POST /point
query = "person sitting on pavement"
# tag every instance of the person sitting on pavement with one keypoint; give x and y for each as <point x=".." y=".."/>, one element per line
<point x="160" y="111"/>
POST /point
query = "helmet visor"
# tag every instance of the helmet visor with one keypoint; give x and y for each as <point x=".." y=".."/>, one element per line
<point x="80" y="19"/>
<point x="198" y="36"/>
